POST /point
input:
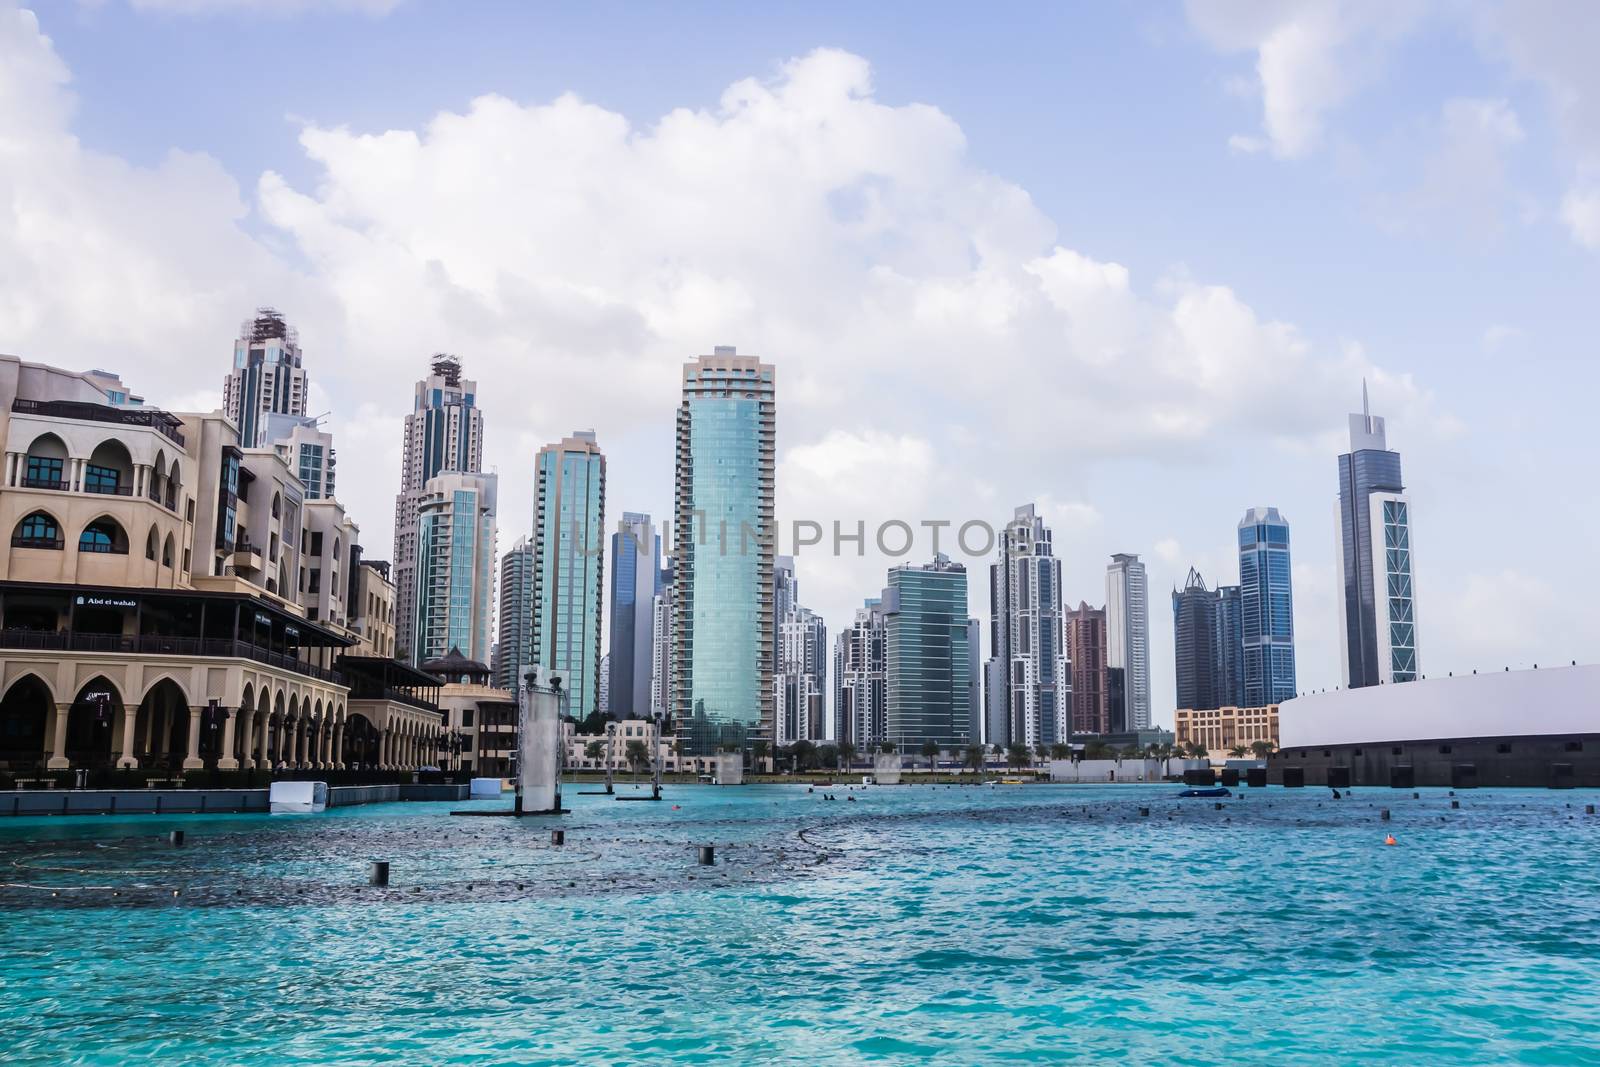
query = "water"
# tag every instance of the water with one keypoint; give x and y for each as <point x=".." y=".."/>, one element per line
<point x="911" y="925"/>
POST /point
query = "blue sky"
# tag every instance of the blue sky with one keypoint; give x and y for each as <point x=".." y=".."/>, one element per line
<point x="1130" y="262"/>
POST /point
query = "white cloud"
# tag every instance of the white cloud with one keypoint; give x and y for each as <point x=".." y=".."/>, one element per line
<point x="1580" y="210"/>
<point x="1311" y="56"/>
<point x="1498" y="619"/>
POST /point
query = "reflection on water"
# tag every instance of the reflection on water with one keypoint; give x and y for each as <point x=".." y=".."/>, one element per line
<point x="906" y="925"/>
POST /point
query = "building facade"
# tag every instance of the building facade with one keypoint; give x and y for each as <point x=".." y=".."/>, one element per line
<point x="1194" y="622"/>
<point x="1221" y="731"/>
<point x="859" y="698"/>
<point x="1228" y="647"/>
<point x="1086" y="648"/>
<point x="443" y="433"/>
<point x="1030" y="673"/>
<point x="1128" y="641"/>
<point x="723" y="552"/>
<point x="267" y="378"/>
<point x="801" y="685"/>
<point x="1377" y="608"/>
<point x="926" y="667"/>
<point x="569" y="565"/>
<point x="514" y="639"/>
<point x="1266" y="600"/>
<point x="454" y="567"/>
<point x="663" y="642"/>
<point x="635" y="580"/>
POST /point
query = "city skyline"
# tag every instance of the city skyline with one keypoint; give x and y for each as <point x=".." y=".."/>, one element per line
<point x="1163" y="483"/>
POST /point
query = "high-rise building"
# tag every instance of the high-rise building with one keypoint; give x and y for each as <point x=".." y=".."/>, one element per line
<point x="603" y="704"/>
<point x="266" y="378"/>
<point x="1030" y="671"/>
<point x="1266" y="599"/>
<point x="635" y="579"/>
<point x="975" y="728"/>
<point x="443" y="433"/>
<point x="723" y="550"/>
<point x="1194" y="620"/>
<point x="858" y="664"/>
<point x="1378" y="608"/>
<point x="1128" y="642"/>
<point x="569" y="565"/>
<point x="307" y="448"/>
<point x="1086" y="647"/>
<point x="801" y="684"/>
<point x="1227" y="647"/>
<point x="662" y="644"/>
<point x="514" y="647"/>
<point x="454" y="566"/>
<point x="927" y="684"/>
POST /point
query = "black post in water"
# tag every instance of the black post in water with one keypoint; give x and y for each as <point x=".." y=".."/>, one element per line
<point x="1588" y="809"/>
<point x="1455" y="803"/>
<point x="1385" y="815"/>
<point x="1144" y="813"/>
<point x="378" y="873"/>
<point x="558" y="837"/>
<point x="708" y="855"/>
<point x="175" y="838"/>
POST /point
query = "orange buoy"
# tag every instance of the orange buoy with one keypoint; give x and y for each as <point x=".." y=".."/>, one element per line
<point x="1390" y="840"/>
<point x="675" y="807"/>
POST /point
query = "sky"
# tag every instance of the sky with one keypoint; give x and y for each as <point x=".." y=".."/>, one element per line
<point x="1131" y="263"/>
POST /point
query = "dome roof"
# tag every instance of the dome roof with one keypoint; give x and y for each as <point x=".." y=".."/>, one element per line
<point x="453" y="663"/>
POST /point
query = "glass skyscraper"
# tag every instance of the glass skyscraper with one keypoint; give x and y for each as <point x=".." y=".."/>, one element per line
<point x="635" y="581"/>
<point x="1377" y="608"/>
<point x="723" y="548"/>
<point x="569" y="565"/>
<point x="1128" y="643"/>
<point x="927" y="671"/>
<point x="1194" y="623"/>
<point x="1029" y="677"/>
<point x="1266" y="608"/>
<point x="454" y="567"/>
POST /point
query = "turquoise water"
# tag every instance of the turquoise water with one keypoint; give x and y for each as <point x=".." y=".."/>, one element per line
<point x="911" y="925"/>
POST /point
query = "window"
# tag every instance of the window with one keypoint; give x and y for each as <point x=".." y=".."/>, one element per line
<point x="98" y="479"/>
<point x="150" y="545"/>
<point x="166" y="552"/>
<point x="1395" y="751"/>
<point x="277" y="505"/>
<point x="1573" y="746"/>
<point x="316" y="580"/>
<point x="316" y="543"/>
<point x="37" y="531"/>
<point x="1503" y="748"/>
<point x="44" y="472"/>
<point x="103" y="535"/>
<point x="1444" y="750"/>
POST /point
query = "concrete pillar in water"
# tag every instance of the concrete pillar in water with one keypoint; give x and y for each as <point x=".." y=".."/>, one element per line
<point x="539" y="740"/>
<point x="886" y="768"/>
<point x="730" y="768"/>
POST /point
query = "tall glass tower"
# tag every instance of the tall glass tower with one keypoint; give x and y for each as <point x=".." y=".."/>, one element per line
<point x="454" y="566"/>
<point x="569" y="565"/>
<point x="1266" y="603"/>
<point x="1029" y="678"/>
<point x="267" y="378"/>
<point x="635" y="581"/>
<point x="1378" y="608"/>
<point x="723" y="548"/>
<point x="927" y="684"/>
<point x="1128" y="642"/>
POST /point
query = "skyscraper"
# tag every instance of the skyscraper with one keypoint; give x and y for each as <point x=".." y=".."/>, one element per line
<point x="443" y="432"/>
<point x="662" y="645"/>
<point x="927" y="684"/>
<point x="801" y="684"/>
<point x="1086" y="648"/>
<point x="635" y="579"/>
<point x="1194" y="620"/>
<point x="266" y="377"/>
<point x="454" y="566"/>
<point x="1266" y="602"/>
<point x="858" y="664"/>
<point x="1031" y="673"/>
<point x="1128" y="642"/>
<point x="569" y="565"/>
<point x="723" y="551"/>
<point x="1227" y="648"/>
<point x="514" y="645"/>
<point x="1378" y="610"/>
<point x="307" y="448"/>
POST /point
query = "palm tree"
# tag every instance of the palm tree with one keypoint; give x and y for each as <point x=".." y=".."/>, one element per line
<point x="1017" y="756"/>
<point x="844" y="755"/>
<point x="1059" y="751"/>
<point x="1198" y="751"/>
<point x="1041" y="752"/>
<point x="1096" y="749"/>
<point x="637" y="755"/>
<point x="975" y="755"/>
<point x="758" y="751"/>
<point x="930" y="752"/>
<point x="828" y="755"/>
<point x="1238" y="752"/>
<point x="804" y="754"/>
<point x="1261" y="749"/>
<point x="1129" y="752"/>
<point x="594" y="750"/>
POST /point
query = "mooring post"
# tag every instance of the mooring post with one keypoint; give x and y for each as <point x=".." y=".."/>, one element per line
<point x="378" y="873"/>
<point x="175" y="838"/>
<point x="708" y="855"/>
<point x="558" y="837"/>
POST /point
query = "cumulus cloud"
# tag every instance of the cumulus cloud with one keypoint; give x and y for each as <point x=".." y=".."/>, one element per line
<point x="925" y="316"/>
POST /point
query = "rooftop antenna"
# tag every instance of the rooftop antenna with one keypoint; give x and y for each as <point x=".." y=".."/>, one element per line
<point x="1366" y="413"/>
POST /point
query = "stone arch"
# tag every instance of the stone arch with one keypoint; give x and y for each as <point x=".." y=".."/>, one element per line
<point x="92" y="718"/>
<point x="161" y="723"/>
<point x="150" y="542"/>
<point x="176" y="679"/>
<point x="46" y="464"/>
<point x="37" y="529"/>
<point x="25" y="714"/>
<point x="166" y="552"/>
<point x="110" y="469"/>
<point x="103" y="535"/>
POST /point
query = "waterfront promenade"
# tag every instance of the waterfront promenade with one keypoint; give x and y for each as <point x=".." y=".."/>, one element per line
<point x="909" y="925"/>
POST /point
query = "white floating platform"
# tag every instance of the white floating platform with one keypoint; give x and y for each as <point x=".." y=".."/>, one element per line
<point x="485" y="789"/>
<point x="297" y="798"/>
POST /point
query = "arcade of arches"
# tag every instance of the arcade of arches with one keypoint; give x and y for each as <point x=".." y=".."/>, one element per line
<point x="51" y="718"/>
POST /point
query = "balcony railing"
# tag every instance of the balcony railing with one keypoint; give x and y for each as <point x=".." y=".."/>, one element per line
<point x="108" y="490"/>
<point x="162" y="645"/>
<point x="359" y="691"/>
<point x="18" y="541"/>
<point x="159" y="421"/>
<point x="45" y="483"/>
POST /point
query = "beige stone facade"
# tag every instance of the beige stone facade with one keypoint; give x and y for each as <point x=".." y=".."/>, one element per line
<point x="1221" y="729"/>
